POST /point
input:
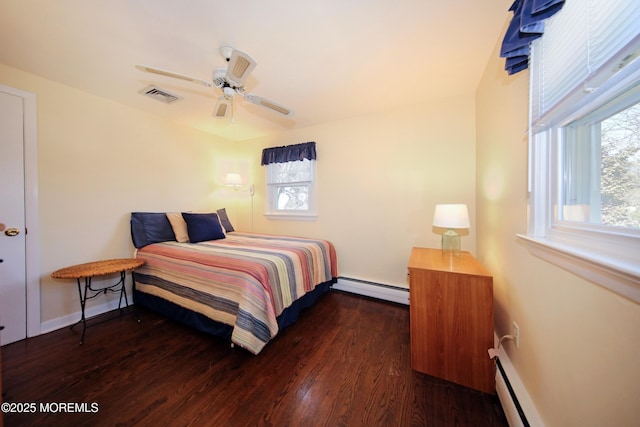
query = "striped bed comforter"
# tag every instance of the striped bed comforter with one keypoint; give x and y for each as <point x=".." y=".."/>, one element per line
<point x="244" y="280"/>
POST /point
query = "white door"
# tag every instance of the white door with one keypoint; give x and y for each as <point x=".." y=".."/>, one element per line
<point x="13" y="288"/>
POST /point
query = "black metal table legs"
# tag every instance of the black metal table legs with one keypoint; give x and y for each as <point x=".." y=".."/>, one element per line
<point x="83" y="293"/>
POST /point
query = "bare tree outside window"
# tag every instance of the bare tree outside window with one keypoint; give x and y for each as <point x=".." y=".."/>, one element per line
<point x="620" y="169"/>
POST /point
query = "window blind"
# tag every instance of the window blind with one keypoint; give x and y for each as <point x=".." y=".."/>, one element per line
<point x="586" y="44"/>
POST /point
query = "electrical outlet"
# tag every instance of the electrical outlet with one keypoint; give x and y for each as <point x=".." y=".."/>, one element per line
<point x="516" y="334"/>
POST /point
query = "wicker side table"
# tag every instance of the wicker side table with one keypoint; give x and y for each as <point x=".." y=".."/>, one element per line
<point x="94" y="269"/>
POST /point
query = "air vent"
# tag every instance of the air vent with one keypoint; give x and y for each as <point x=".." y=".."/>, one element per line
<point x="159" y="94"/>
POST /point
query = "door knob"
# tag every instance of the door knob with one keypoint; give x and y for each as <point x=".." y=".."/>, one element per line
<point x="11" y="232"/>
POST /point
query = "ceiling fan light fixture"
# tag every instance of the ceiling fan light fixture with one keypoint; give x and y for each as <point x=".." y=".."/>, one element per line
<point x="228" y="92"/>
<point x="230" y="80"/>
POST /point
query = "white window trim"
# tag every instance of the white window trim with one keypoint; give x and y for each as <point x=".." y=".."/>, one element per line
<point x="623" y="278"/>
<point x="596" y="253"/>
<point x="292" y="216"/>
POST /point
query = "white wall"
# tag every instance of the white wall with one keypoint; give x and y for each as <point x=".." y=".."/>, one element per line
<point x="379" y="178"/>
<point x="579" y="342"/>
<point x="97" y="162"/>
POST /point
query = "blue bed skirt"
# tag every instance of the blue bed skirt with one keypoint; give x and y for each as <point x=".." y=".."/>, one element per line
<point x="204" y="324"/>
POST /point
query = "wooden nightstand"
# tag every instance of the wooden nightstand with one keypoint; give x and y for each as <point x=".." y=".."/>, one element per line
<point x="451" y="314"/>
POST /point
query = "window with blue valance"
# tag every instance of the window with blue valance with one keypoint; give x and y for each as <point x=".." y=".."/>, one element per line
<point x="526" y="25"/>
<point x="289" y="153"/>
<point x="291" y="189"/>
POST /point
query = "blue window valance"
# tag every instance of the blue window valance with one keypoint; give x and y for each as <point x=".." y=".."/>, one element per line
<point x="526" y="25"/>
<point x="289" y="153"/>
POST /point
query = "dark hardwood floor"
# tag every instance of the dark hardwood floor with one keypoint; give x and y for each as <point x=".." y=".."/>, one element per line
<point x="344" y="363"/>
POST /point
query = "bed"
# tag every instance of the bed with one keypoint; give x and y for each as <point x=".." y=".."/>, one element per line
<point x="244" y="287"/>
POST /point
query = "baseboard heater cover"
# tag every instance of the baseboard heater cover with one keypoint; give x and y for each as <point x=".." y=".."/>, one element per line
<point x="373" y="289"/>
<point x="511" y="405"/>
<point x="517" y="405"/>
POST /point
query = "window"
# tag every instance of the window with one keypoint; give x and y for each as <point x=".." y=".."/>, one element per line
<point x="601" y="167"/>
<point x="585" y="143"/>
<point x="291" y="190"/>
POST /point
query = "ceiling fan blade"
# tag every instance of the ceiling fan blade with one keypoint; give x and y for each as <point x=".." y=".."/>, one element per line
<point x="239" y="68"/>
<point x="269" y="105"/>
<point x="223" y="107"/>
<point x="167" y="73"/>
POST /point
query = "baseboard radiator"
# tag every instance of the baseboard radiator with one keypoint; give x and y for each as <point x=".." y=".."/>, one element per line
<point x="510" y="404"/>
<point x="516" y="403"/>
<point x="373" y="289"/>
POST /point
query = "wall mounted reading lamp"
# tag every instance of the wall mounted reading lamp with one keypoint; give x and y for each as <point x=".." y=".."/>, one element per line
<point x="234" y="180"/>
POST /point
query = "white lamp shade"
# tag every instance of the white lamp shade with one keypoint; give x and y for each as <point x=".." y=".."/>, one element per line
<point x="451" y="216"/>
<point x="233" y="180"/>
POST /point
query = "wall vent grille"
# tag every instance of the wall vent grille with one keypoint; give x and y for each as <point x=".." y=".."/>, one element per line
<point x="158" y="94"/>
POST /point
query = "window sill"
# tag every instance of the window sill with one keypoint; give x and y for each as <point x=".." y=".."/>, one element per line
<point x="291" y="217"/>
<point x="619" y="276"/>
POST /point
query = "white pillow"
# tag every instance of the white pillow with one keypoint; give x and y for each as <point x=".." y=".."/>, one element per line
<point x="179" y="226"/>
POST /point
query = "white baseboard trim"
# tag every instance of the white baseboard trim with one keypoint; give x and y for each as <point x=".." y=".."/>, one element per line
<point x="70" y="319"/>
<point x="372" y="289"/>
<point x="514" y="398"/>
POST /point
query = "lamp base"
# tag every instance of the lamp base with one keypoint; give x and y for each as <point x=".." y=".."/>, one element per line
<point x="450" y="243"/>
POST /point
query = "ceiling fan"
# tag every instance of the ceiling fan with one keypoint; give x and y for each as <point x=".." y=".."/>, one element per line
<point x="230" y="80"/>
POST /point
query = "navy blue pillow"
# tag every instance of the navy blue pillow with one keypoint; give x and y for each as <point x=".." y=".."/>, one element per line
<point x="224" y="220"/>
<point x="203" y="226"/>
<point x="150" y="227"/>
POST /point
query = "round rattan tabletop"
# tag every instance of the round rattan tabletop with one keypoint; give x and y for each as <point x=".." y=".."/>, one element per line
<point x="98" y="268"/>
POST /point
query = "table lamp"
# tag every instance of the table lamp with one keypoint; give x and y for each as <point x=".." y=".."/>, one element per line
<point x="451" y="217"/>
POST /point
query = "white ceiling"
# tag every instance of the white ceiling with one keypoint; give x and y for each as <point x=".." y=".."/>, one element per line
<point x="326" y="59"/>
